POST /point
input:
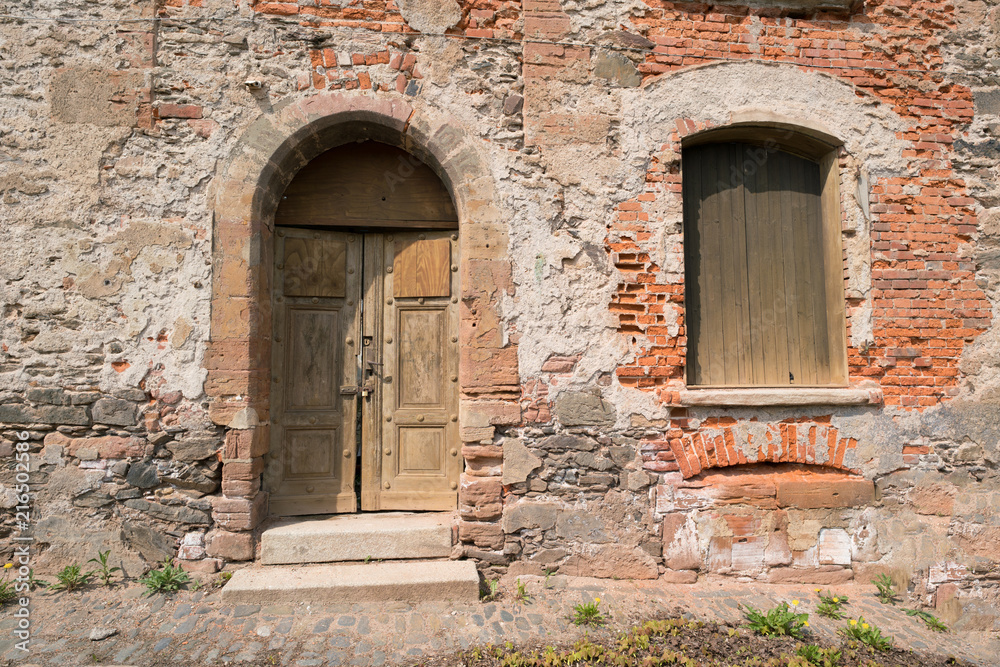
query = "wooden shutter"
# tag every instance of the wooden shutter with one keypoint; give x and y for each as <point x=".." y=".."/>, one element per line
<point x="757" y="274"/>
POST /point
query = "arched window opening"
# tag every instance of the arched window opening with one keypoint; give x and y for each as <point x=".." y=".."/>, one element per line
<point x="764" y="288"/>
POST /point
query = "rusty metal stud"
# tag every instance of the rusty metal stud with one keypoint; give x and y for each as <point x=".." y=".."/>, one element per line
<point x="276" y="380"/>
<point x="350" y="270"/>
<point x="454" y="267"/>
<point x="420" y="299"/>
<point x="278" y="299"/>
<point x="350" y="238"/>
<point x="454" y="378"/>
<point x="275" y="420"/>
<point x="312" y="420"/>
<point x="310" y="488"/>
<point x="388" y="269"/>
<point x="388" y="339"/>
<point x="388" y="379"/>
<point x="315" y="235"/>
<point x="454" y="452"/>
<point x="422" y="236"/>
<point x="454" y="299"/>
<point x="281" y="232"/>
<point x="454" y="418"/>
<point x="350" y="302"/>
<point x="388" y="452"/>
<point x="277" y="339"/>
<point x="454" y="485"/>
<point x="347" y="453"/>
<point x="454" y="237"/>
<point x="420" y="418"/>
<point x="454" y="339"/>
<point x="389" y="418"/>
<point x="389" y="301"/>
<point x="389" y="237"/>
<point x="315" y="299"/>
<point x="386" y="485"/>
<point x="349" y="341"/>
<point x="281" y="266"/>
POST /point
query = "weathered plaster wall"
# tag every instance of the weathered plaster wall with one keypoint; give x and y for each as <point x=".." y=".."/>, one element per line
<point x="135" y="313"/>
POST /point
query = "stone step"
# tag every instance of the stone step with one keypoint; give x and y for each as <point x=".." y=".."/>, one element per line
<point x="347" y="537"/>
<point x="409" y="581"/>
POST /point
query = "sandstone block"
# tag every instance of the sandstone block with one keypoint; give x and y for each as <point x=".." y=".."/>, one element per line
<point x="680" y="543"/>
<point x="828" y="492"/>
<point x="247" y="443"/>
<point x="679" y="577"/>
<point x="229" y="546"/>
<point x="243" y="470"/>
<point x="530" y="514"/>
<point x="477" y="491"/>
<point x="834" y="547"/>
<point x="482" y="534"/>
<point x="612" y="561"/>
<point x="584" y="408"/>
<point x="822" y="576"/>
<point x="518" y="461"/>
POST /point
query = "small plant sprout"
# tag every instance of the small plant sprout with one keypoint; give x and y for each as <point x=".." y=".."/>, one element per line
<point x="522" y="595"/>
<point x="932" y="621"/>
<point x="223" y="579"/>
<point x="492" y="591"/>
<point x="866" y="633"/>
<point x="7" y="592"/>
<point x="548" y="575"/>
<point x="779" y="621"/>
<point x="165" y="580"/>
<point x="588" y="613"/>
<point x="820" y="657"/>
<point x="886" y="590"/>
<point x="105" y="570"/>
<point x="70" y="578"/>
<point x="830" y="605"/>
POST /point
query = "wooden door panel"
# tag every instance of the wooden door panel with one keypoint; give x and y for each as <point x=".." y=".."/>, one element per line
<point x="317" y="287"/>
<point x="309" y="356"/>
<point x="420" y="462"/>
<point x="421" y="361"/>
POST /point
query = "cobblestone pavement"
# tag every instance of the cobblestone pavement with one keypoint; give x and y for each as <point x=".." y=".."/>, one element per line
<point x="197" y="628"/>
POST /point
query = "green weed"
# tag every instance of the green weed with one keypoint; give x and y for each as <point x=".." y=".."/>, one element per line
<point x="821" y="657"/>
<point x="930" y="620"/>
<point x="780" y="620"/>
<point x="867" y="633"/>
<point x="105" y="570"/>
<point x="588" y="613"/>
<point x="165" y="580"/>
<point x="70" y="578"/>
<point x="886" y="589"/>
<point x="522" y="595"/>
<point x="492" y="591"/>
<point x="830" y="605"/>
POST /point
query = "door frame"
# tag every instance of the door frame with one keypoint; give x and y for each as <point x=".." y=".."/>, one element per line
<point x="262" y="161"/>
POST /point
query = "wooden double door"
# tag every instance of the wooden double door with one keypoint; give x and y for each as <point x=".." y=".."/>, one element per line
<point x="364" y="393"/>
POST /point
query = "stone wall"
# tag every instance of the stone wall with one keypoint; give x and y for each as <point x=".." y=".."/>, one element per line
<point x="141" y="161"/>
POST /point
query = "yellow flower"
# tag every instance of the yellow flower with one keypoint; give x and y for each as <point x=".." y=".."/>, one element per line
<point x="8" y="566"/>
<point x="805" y="623"/>
<point x="836" y="599"/>
<point x="864" y="626"/>
<point x="816" y="589"/>
<point x="597" y="600"/>
<point x="795" y="603"/>
<point x="853" y="622"/>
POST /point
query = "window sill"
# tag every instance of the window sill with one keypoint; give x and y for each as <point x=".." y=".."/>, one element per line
<point x="782" y="396"/>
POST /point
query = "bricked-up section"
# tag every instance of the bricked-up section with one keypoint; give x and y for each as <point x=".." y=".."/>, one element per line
<point x="239" y="354"/>
<point x="719" y="442"/>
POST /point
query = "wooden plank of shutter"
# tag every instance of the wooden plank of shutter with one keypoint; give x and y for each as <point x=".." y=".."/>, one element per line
<point x="691" y="196"/>
<point x="779" y="294"/>
<point x="711" y="284"/>
<point x="761" y="335"/>
<point x="817" y="269"/>
<point x="731" y="326"/>
<point x="790" y="255"/>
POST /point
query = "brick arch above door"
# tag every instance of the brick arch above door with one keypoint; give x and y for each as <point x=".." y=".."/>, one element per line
<point x="265" y="158"/>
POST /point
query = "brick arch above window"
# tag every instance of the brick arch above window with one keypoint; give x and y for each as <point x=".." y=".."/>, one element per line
<point x="723" y="442"/>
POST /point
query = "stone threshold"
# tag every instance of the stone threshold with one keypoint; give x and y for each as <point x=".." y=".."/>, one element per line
<point x="781" y="396"/>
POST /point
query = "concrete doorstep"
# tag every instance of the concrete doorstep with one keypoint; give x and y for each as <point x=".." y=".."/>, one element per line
<point x="414" y="581"/>
<point x="390" y="536"/>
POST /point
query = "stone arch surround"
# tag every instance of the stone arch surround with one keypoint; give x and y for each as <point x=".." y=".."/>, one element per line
<point x="263" y="161"/>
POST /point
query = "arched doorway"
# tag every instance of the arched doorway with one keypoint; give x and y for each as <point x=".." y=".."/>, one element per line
<point x="364" y="396"/>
